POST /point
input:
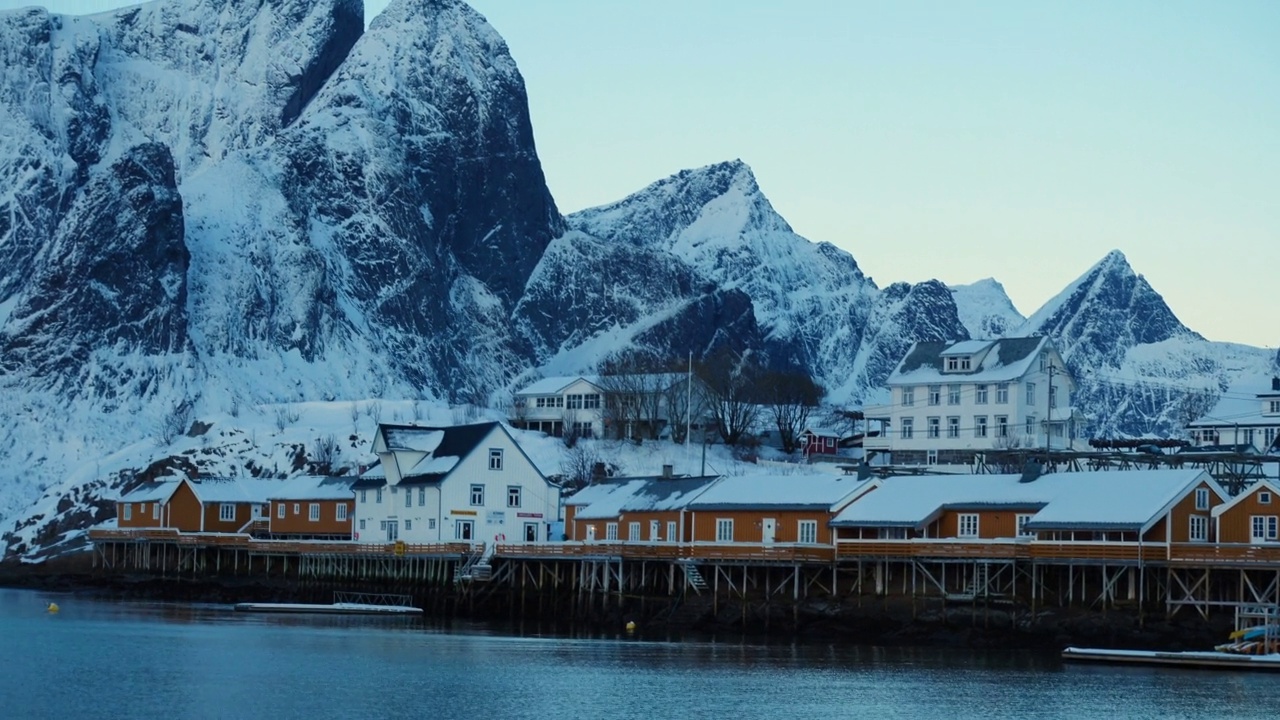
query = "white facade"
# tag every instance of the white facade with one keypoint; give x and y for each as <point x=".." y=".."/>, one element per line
<point x="1243" y="418"/>
<point x="561" y="405"/>
<point x="588" y="405"/>
<point x="951" y="400"/>
<point x="490" y="493"/>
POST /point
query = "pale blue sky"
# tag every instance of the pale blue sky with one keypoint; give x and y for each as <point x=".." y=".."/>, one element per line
<point x="938" y="139"/>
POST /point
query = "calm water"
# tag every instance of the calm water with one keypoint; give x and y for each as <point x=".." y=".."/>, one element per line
<point x="102" y="659"/>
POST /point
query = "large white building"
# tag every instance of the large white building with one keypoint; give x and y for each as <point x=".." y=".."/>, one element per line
<point x="641" y="405"/>
<point x="1244" y="419"/>
<point x="469" y="483"/>
<point x="951" y="401"/>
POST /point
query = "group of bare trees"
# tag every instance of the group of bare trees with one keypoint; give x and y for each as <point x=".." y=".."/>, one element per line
<point x="722" y="398"/>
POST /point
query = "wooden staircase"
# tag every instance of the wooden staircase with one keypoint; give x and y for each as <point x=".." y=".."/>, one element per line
<point x="692" y="575"/>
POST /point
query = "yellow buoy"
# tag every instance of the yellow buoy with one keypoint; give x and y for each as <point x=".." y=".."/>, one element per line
<point x="53" y="607"/>
<point x="631" y="626"/>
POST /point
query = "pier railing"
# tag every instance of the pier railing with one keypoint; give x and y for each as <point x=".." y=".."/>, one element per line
<point x="1223" y="553"/>
<point x="777" y="552"/>
<point x="243" y="541"/>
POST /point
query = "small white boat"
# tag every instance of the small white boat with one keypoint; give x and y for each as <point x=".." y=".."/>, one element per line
<point x="343" y="604"/>
<point x="1211" y="659"/>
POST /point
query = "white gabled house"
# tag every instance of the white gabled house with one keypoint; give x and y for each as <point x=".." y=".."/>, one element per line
<point x="633" y="405"/>
<point x="950" y="401"/>
<point x="1240" y="423"/>
<point x="464" y="483"/>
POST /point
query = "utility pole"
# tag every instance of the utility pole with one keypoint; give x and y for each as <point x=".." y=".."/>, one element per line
<point x="1048" y="417"/>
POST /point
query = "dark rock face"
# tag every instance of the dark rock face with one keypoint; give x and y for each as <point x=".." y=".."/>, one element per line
<point x="906" y="314"/>
<point x="113" y="276"/>
<point x="348" y="25"/>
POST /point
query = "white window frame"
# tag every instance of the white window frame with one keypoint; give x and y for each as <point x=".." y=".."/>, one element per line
<point x="935" y="394"/>
<point x="128" y="511"/>
<point x="724" y="529"/>
<point x="1020" y="523"/>
<point x="408" y="498"/>
<point x="1262" y="528"/>
<point x="495" y="458"/>
<point x="611" y="531"/>
<point x="422" y="496"/>
<point x="953" y="394"/>
<point x="908" y="428"/>
<point x="515" y="495"/>
<point x="227" y="512"/>
<point x="280" y="511"/>
<point x="807" y="532"/>
<point x="967" y="525"/>
<point x="1198" y="528"/>
<point x="980" y="394"/>
<point x="408" y="524"/>
<point x="633" y="531"/>
<point x="934" y="428"/>
<point x="1264" y="497"/>
<point x="297" y="509"/>
<point x="1202" y="498"/>
<point x="340" y="513"/>
<point x="313" y="512"/>
<point x="378" y="497"/>
<point x="1031" y="393"/>
<point x="979" y="426"/>
<point x="672" y="534"/>
<point x="1002" y="426"/>
<point x="155" y="511"/>
<point x="361" y="523"/>
<point x="908" y="396"/>
<point x="476" y="497"/>
<point x="953" y="427"/>
<point x="1002" y="393"/>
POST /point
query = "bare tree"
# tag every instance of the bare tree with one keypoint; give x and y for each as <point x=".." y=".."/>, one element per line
<point x="729" y="386"/>
<point x="792" y="399"/>
<point x="578" y="464"/>
<point x="325" y="451"/>
<point x="685" y="406"/>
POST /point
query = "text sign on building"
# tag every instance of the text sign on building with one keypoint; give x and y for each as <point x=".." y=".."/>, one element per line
<point x="463" y="512"/>
<point x="528" y="515"/>
<point x="495" y="517"/>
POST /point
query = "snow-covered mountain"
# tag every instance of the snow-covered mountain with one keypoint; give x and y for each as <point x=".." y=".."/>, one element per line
<point x="211" y="208"/>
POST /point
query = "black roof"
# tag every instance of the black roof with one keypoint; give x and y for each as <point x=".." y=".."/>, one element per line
<point x="929" y="353"/>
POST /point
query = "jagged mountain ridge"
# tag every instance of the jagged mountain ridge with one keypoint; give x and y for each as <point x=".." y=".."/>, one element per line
<point x="350" y="214"/>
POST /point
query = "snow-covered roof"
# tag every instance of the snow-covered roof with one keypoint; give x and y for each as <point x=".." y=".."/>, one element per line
<point x="433" y="466"/>
<point x="651" y="494"/>
<point x="551" y="385"/>
<point x="1007" y="360"/>
<point x="412" y="438"/>
<point x="153" y="491"/>
<point x="1241" y="404"/>
<point x="1129" y="499"/>
<point x="235" y="490"/>
<point x="967" y="347"/>
<point x="778" y="492"/>
<point x="314" y="487"/>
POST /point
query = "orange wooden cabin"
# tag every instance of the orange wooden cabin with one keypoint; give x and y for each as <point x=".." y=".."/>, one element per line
<point x="639" y="509"/>
<point x="1252" y="517"/>
<point x="312" y="507"/>
<point x="772" y="509"/>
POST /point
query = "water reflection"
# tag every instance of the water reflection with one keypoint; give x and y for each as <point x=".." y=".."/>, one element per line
<point x="169" y="660"/>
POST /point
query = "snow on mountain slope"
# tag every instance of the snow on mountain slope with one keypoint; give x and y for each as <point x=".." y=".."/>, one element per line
<point x="985" y="309"/>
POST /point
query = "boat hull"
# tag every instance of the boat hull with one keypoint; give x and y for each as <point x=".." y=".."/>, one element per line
<point x="1207" y="660"/>
<point x="331" y="609"/>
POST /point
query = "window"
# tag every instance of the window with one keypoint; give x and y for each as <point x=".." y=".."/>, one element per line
<point x="1002" y="394"/>
<point x="908" y="427"/>
<point x="431" y="523"/>
<point x="724" y="529"/>
<point x="382" y="524"/>
<point x="477" y="494"/>
<point x="314" y="512"/>
<point x="361" y="523"/>
<point x="980" y="394"/>
<point x="1022" y="520"/>
<point x="155" y="511"/>
<point x="980" y="426"/>
<point x="1248" y="436"/>
<point x="953" y="427"/>
<point x="1199" y="530"/>
<point x="583" y="430"/>
<point x="128" y="511"/>
<point x="1002" y="426"/>
<point x="1264" y="497"/>
<point x="908" y="396"/>
<point x="513" y="496"/>
<point x="280" y="510"/>
<point x="671" y="531"/>
<point x="654" y="531"/>
<point x="297" y="508"/>
<point x="807" y="532"/>
<point x="611" y="531"/>
<point x="495" y="459"/>
<point x="1031" y="425"/>
<point x="953" y="364"/>
<point x="1202" y="498"/>
<point x="341" y="512"/>
<point x="408" y="497"/>
<point x="892" y="533"/>
<point x="931" y="457"/>
<point x="1264" y="527"/>
<point x="953" y="394"/>
<point x="591" y="401"/>
<point x="1044" y="361"/>
<point x="422" y="497"/>
<point x="968" y="525"/>
<point x="1031" y="393"/>
<point x="227" y="512"/>
<point x="549" y="402"/>
<point x="1053" y="396"/>
<point x="364" y="498"/>
<point x="378" y="496"/>
<point x="633" y="532"/>
<point x="935" y="424"/>
<point x="935" y="394"/>
<point x="408" y="524"/>
<point x="1273" y="407"/>
<point x="573" y="402"/>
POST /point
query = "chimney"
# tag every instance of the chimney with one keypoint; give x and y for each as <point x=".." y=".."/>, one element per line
<point x="598" y="472"/>
<point x="667" y="471"/>
<point x="1275" y="384"/>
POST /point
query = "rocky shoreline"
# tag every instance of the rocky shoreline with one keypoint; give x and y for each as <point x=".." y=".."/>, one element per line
<point x="890" y="620"/>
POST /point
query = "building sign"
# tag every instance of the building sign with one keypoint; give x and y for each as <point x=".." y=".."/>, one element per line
<point x="495" y="517"/>
<point x="463" y="512"/>
<point x="529" y="515"/>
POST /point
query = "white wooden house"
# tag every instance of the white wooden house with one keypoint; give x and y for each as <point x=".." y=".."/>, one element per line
<point x="612" y="406"/>
<point x="470" y="483"/>
<point x="1243" y="420"/>
<point x="950" y="401"/>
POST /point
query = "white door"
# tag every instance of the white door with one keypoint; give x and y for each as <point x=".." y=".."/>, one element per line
<point x="1262" y="528"/>
<point x="653" y="531"/>
<point x="463" y="530"/>
<point x="257" y="512"/>
<point x="531" y="532"/>
<point x="393" y="530"/>
<point x="768" y="530"/>
<point x="591" y="533"/>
